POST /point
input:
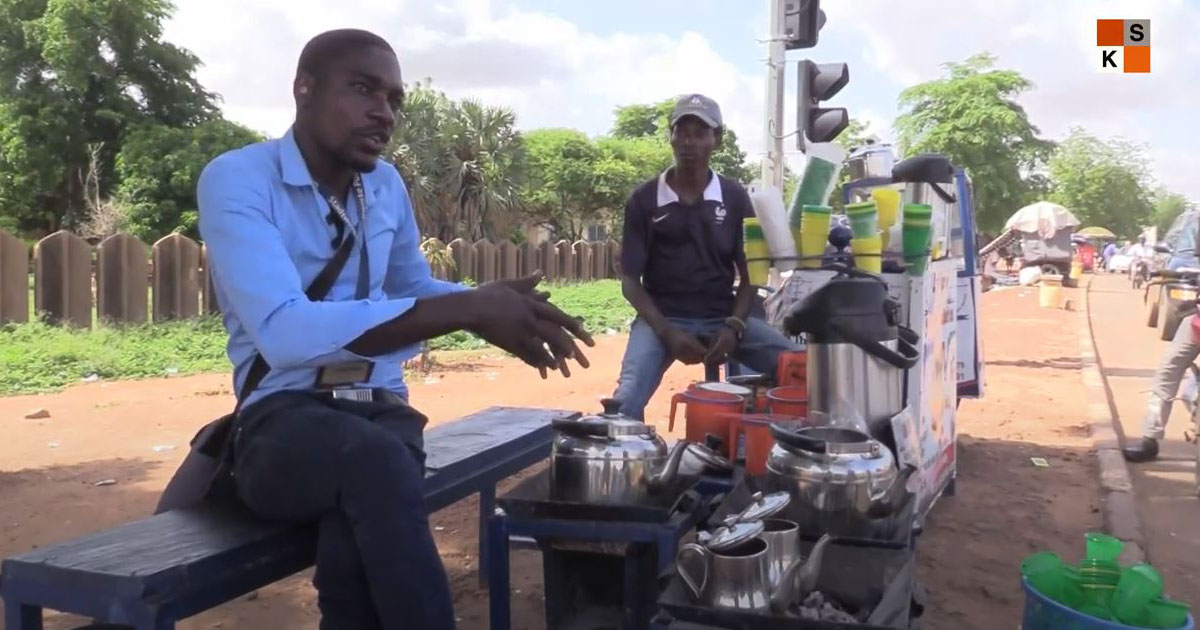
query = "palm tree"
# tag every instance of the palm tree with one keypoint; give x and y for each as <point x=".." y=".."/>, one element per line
<point x="462" y="163"/>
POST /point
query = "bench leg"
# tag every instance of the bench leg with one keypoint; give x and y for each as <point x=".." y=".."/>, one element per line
<point x="487" y="507"/>
<point x="18" y="616"/>
<point x="499" y="604"/>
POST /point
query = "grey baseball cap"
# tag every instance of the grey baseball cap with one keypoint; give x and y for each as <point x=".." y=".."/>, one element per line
<point x="700" y="106"/>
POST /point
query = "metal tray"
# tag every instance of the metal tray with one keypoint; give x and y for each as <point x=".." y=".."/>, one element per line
<point x="530" y="499"/>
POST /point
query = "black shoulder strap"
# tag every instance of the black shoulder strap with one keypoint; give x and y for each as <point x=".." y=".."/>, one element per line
<point x="316" y="291"/>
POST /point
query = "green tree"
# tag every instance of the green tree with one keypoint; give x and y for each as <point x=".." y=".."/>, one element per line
<point x="971" y="116"/>
<point x="158" y="167"/>
<point x="560" y="191"/>
<point x="653" y="121"/>
<point x="463" y="164"/>
<point x="76" y="74"/>
<point x="1104" y="183"/>
<point x="1167" y="207"/>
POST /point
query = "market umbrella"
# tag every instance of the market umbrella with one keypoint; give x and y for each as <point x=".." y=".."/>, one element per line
<point x="1096" y="232"/>
<point x="1043" y="218"/>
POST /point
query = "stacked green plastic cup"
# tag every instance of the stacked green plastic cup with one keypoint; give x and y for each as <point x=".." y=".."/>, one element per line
<point x="814" y="234"/>
<point x="757" y="252"/>
<point x="795" y="219"/>
<point x="915" y="235"/>
<point x="864" y="219"/>
<point x="818" y="175"/>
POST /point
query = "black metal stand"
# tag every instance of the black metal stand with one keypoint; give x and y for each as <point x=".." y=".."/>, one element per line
<point x="597" y="573"/>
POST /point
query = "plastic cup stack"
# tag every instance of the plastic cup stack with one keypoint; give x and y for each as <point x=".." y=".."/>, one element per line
<point x="814" y="233"/>
<point x="915" y="234"/>
<point x="755" y="246"/>
<point x="887" y="209"/>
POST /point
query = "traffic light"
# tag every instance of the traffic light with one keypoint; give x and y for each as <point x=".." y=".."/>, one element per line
<point x="820" y="82"/>
<point x="802" y="22"/>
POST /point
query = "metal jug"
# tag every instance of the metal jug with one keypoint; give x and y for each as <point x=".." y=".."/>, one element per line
<point x="858" y="353"/>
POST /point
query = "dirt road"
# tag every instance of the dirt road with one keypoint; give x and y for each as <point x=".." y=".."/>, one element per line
<point x="1129" y="352"/>
<point x="136" y="432"/>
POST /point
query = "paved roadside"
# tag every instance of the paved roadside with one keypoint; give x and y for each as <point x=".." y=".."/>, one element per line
<point x="1129" y="353"/>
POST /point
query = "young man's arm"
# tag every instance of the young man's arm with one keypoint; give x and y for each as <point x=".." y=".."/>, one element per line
<point x="635" y="251"/>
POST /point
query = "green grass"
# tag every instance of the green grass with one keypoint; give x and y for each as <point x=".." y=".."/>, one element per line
<point x="35" y="357"/>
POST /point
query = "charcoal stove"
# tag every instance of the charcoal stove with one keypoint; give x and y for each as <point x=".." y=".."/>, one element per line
<point x="601" y="563"/>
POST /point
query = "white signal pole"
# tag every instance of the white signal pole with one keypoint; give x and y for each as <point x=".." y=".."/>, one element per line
<point x="773" y="164"/>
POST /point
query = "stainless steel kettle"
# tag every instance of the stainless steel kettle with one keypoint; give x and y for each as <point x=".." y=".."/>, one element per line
<point x="613" y="459"/>
<point x="836" y="476"/>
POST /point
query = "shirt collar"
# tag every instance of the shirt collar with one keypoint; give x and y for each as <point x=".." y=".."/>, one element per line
<point x="295" y="170"/>
<point x="667" y="195"/>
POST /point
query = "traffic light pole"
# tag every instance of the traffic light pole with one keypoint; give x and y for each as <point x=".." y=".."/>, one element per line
<point x="773" y="164"/>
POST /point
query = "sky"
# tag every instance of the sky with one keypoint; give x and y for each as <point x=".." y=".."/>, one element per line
<point x="570" y="63"/>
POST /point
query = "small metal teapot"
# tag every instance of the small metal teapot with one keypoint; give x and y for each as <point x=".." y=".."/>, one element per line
<point x="611" y="458"/>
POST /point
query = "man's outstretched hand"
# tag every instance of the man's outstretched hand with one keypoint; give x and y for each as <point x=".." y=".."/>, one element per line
<point x="514" y="316"/>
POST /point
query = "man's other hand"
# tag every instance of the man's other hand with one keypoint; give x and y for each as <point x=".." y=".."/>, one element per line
<point x="684" y="346"/>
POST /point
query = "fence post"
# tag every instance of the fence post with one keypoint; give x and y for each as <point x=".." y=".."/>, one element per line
<point x="62" y="285"/>
<point x="208" y="292"/>
<point x="122" y="279"/>
<point x="583" y="260"/>
<point x="486" y="261"/>
<point x="14" y="279"/>
<point x="176" y="278"/>
<point x="566" y="261"/>
<point x="614" y="256"/>
<point x="510" y="261"/>
<point x="531" y="259"/>
<point x="464" y="263"/>
<point x="550" y="261"/>
<point x="599" y="260"/>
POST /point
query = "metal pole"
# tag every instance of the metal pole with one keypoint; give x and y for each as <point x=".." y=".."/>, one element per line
<point x="773" y="164"/>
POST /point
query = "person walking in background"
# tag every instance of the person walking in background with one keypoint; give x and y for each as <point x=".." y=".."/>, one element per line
<point x="1110" y="250"/>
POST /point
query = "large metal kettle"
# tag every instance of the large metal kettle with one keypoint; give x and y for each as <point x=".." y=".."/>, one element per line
<point x="834" y="474"/>
<point x="858" y="353"/>
<point x="611" y="458"/>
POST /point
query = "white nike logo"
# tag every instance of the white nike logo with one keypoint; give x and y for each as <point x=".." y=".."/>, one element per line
<point x="659" y="219"/>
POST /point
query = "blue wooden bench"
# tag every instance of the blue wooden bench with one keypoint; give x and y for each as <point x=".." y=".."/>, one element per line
<point x="151" y="573"/>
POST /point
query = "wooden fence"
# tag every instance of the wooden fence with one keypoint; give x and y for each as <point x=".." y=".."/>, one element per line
<point x="126" y="281"/>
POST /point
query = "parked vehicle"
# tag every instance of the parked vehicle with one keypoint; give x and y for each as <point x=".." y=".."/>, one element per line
<point x="1053" y="255"/>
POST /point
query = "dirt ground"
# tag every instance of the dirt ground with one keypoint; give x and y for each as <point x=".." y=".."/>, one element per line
<point x="135" y="433"/>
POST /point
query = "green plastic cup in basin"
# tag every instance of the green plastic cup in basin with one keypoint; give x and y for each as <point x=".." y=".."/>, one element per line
<point x="1138" y="585"/>
<point x="1165" y="613"/>
<point x="1044" y="570"/>
<point x="1103" y="547"/>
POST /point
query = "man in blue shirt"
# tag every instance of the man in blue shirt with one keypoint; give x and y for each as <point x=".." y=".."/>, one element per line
<point x="327" y="436"/>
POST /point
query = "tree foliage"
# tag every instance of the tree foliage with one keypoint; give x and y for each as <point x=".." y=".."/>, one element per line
<point x="463" y="163"/>
<point x="158" y="167"/>
<point x="1105" y="183"/>
<point x="1167" y="207"/>
<point x="971" y="116"/>
<point x="653" y="121"/>
<point x="76" y="74"/>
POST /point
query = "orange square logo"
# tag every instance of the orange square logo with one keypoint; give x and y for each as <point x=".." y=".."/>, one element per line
<point x="1137" y="59"/>
<point x="1110" y="33"/>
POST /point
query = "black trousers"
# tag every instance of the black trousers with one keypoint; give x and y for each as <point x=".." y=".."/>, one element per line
<point x="355" y="469"/>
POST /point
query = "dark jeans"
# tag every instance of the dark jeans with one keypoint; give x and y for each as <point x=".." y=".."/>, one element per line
<point x="355" y="469"/>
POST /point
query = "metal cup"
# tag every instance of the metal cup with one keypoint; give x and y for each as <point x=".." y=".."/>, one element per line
<point x="732" y="579"/>
<point x="783" y="546"/>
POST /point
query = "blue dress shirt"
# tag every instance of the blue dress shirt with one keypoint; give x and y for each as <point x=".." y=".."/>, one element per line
<point x="264" y="226"/>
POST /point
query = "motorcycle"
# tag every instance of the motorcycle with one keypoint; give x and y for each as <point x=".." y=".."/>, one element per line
<point x="1139" y="272"/>
<point x="1175" y="297"/>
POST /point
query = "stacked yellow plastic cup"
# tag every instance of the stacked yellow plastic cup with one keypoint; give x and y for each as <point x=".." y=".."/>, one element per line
<point x="868" y="253"/>
<point x="757" y="253"/>
<point x="887" y="205"/>
<point x="814" y="234"/>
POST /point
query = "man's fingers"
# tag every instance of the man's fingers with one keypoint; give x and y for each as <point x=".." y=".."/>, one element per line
<point x="525" y="285"/>
<point x="560" y="343"/>
<point x="550" y="312"/>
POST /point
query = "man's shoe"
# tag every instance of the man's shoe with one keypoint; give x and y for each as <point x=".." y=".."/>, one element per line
<point x="1144" y="450"/>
